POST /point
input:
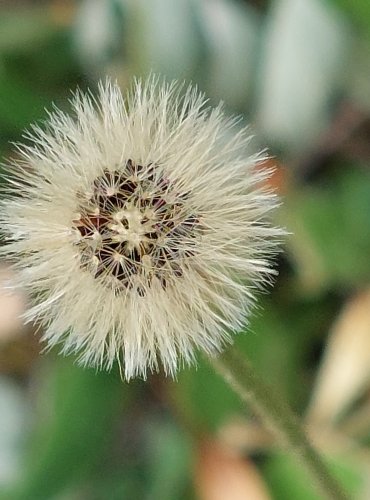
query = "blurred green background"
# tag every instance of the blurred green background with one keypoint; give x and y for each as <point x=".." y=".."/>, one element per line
<point x="299" y="72"/>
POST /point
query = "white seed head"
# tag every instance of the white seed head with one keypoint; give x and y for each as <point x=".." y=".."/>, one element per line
<point x="139" y="226"/>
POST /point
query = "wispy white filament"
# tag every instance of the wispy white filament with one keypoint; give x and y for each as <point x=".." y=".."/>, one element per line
<point x="139" y="226"/>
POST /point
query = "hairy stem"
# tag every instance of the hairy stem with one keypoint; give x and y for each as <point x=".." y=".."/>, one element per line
<point x="277" y="417"/>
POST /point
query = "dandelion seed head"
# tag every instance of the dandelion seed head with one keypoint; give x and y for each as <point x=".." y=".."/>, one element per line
<point x="140" y="226"/>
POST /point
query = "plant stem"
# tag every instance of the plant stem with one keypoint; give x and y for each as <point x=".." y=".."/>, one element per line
<point x="239" y="374"/>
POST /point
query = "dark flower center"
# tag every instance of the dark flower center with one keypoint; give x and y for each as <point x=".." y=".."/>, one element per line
<point x="135" y="227"/>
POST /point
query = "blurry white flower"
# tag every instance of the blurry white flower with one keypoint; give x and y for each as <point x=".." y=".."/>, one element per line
<point x="139" y="227"/>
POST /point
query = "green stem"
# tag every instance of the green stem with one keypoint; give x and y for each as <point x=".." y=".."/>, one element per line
<point x="277" y="417"/>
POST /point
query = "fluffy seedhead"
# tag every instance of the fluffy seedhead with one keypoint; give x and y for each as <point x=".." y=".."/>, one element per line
<point x="139" y="226"/>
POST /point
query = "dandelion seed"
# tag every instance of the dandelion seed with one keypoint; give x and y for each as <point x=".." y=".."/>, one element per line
<point x="140" y="227"/>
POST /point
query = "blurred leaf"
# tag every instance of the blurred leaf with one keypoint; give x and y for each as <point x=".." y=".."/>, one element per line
<point x="346" y="362"/>
<point x="97" y="33"/>
<point x="163" y="36"/>
<point x="151" y="460"/>
<point x="302" y="69"/>
<point x="289" y="482"/>
<point x="331" y="231"/>
<point x="359" y="11"/>
<point x="358" y="84"/>
<point x="169" y="459"/>
<point x="83" y="407"/>
<point x="274" y="351"/>
<point x="279" y="339"/>
<point x="19" y="105"/>
<point x="221" y="474"/>
<point x="202" y="396"/>
<point x="51" y="67"/>
<point x="117" y="484"/>
<point x="230" y="32"/>
<point x="23" y="27"/>
<point x="13" y="413"/>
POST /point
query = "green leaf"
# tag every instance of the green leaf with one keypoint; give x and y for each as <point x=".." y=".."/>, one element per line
<point x="330" y="223"/>
<point x="19" y="105"/>
<point x="80" y="413"/>
<point x="169" y="457"/>
<point x="23" y="27"/>
<point x="302" y="67"/>
<point x="358" y="11"/>
<point x="272" y="344"/>
<point x="230" y="31"/>
<point x="288" y="480"/>
<point x="163" y="36"/>
<point x="202" y="397"/>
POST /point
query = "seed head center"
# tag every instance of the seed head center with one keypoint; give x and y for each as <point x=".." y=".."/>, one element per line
<point x="134" y="227"/>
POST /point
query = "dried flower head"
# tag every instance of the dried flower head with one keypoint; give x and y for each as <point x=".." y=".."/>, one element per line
<point x="139" y="226"/>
